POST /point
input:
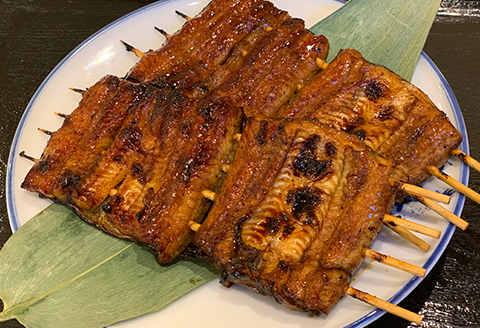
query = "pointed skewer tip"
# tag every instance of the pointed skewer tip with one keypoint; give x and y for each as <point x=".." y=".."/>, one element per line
<point x="185" y="16"/>
<point x="22" y="154"/>
<point x="45" y="131"/>
<point x="162" y="31"/>
<point x="131" y="48"/>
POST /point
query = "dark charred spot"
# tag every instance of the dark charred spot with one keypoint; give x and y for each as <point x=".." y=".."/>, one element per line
<point x="133" y="80"/>
<point x="386" y="113"/>
<point x="374" y="90"/>
<point x="133" y="138"/>
<point x="107" y="208"/>
<point x="330" y="149"/>
<point x="43" y="166"/>
<point x="379" y="257"/>
<point x="360" y="134"/>
<point x="207" y="112"/>
<point x="461" y="156"/>
<point x="161" y="85"/>
<point x="237" y="231"/>
<point x="311" y="143"/>
<point x="261" y="134"/>
<point x="68" y="179"/>
<point x="418" y="133"/>
<point x="391" y="223"/>
<point x="139" y="214"/>
<point x="238" y="271"/>
<point x="309" y="166"/>
<point x="272" y="226"/>
<point x="117" y="158"/>
<point x="148" y="196"/>
<point x="288" y="23"/>
<point x="188" y="169"/>
<point x="287" y="231"/>
<point x="284" y="266"/>
<point x="176" y="98"/>
<point x="223" y="276"/>
<point x="304" y="201"/>
<point x="311" y="219"/>
<point x="136" y="169"/>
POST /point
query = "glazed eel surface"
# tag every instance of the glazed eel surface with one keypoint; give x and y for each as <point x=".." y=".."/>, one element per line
<point x="386" y="112"/>
<point x="299" y="206"/>
<point x="133" y="160"/>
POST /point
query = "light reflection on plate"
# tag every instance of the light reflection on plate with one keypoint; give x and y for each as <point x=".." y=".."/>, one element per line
<point x="211" y="305"/>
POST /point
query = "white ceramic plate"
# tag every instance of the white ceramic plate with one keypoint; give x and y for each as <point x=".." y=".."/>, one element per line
<point x="212" y="305"/>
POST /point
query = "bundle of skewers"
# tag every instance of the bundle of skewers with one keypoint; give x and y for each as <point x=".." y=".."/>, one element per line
<point x="238" y="139"/>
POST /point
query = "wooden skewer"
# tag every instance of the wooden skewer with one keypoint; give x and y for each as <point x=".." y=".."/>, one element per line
<point x="420" y="228"/>
<point x="404" y="233"/>
<point x="131" y="48"/>
<point x="194" y="226"/>
<point x="225" y="168"/>
<point x="368" y="253"/>
<point x="459" y="222"/>
<point x="427" y="231"/>
<point x="321" y="63"/>
<point x="355" y="293"/>
<point x="80" y="91"/>
<point x="395" y="263"/>
<point x="376" y="256"/>
<point x="61" y="115"/>
<point x="454" y="183"/>
<point x="208" y="194"/>
<point x="163" y="32"/>
<point x="179" y="13"/>
<point x="45" y="131"/>
<point x="398" y="225"/>
<point x="384" y="305"/>
<point x="470" y="161"/>
<point x="33" y="159"/>
<point x="382" y="258"/>
<point x="419" y="191"/>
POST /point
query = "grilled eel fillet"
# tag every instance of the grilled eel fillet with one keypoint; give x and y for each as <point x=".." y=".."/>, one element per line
<point x="391" y="115"/>
<point x="157" y="150"/>
<point x="248" y="50"/>
<point x="300" y="204"/>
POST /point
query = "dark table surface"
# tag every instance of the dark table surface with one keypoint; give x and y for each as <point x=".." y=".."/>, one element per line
<point x="35" y="35"/>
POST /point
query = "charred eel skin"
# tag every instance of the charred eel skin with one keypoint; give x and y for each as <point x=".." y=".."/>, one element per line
<point x="300" y="204"/>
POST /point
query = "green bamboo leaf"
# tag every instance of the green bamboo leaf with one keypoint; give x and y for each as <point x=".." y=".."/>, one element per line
<point x="57" y="271"/>
<point x="387" y="32"/>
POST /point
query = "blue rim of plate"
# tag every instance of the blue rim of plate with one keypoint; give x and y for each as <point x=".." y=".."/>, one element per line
<point x="361" y="322"/>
